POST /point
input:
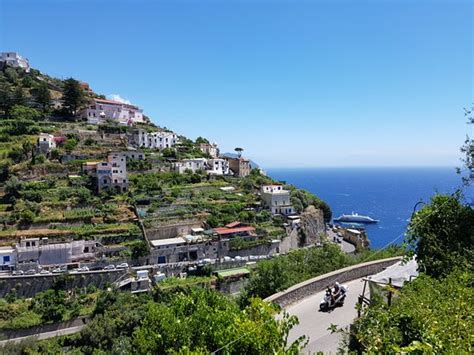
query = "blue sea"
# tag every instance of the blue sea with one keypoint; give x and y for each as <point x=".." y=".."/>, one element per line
<point x="386" y="194"/>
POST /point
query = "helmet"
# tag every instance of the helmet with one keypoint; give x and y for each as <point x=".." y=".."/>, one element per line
<point x="337" y="284"/>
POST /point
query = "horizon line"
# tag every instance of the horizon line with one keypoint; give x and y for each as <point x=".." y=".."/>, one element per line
<point x="363" y="167"/>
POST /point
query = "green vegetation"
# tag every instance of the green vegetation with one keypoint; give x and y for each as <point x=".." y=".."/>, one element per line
<point x="46" y="307"/>
<point x="428" y="316"/>
<point x="49" y="194"/>
<point x="191" y="320"/>
<point x="433" y="313"/>
<point x="73" y="96"/>
<point x="278" y="274"/>
<point x="442" y="236"/>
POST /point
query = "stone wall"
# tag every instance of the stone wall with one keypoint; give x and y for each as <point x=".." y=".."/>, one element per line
<point x="264" y="249"/>
<point x="319" y="283"/>
<point x="172" y="230"/>
<point x="28" y="286"/>
<point x="291" y="241"/>
<point x="8" y="334"/>
<point x="312" y="225"/>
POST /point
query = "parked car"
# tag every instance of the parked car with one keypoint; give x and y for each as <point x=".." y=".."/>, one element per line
<point x="109" y="267"/>
<point x="122" y="266"/>
<point x="45" y="272"/>
<point x="238" y="258"/>
<point x="83" y="269"/>
<point x="227" y="258"/>
<point x="30" y="272"/>
<point x="57" y="271"/>
<point x="253" y="257"/>
<point x="18" y="272"/>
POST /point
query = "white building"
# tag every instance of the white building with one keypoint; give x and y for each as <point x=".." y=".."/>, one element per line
<point x="45" y="253"/>
<point x="101" y="110"/>
<point x="154" y="140"/>
<point x="46" y="143"/>
<point x="210" y="148"/>
<point x="7" y="257"/>
<point x="218" y="167"/>
<point x="13" y="59"/>
<point x="110" y="174"/>
<point x="277" y="199"/>
<point x="133" y="155"/>
<point x="190" y="164"/>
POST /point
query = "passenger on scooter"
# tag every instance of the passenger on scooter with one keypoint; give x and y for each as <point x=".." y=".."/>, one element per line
<point x="337" y="291"/>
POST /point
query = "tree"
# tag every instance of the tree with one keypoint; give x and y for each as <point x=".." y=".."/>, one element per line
<point x="139" y="249"/>
<point x="19" y="96"/>
<point x="43" y="97"/>
<point x="11" y="75"/>
<point x="5" y="98"/>
<point x="19" y="112"/>
<point x="428" y="316"/>
<point x="4" y="170"/>
<point x="13" y="186"/>
<point x="73" y="96"/>
<point x="27" y="81"/>
<point x="51" y="304"/>
<point x="201" y="140"/>
<point x="203" y="320"/>
<point x="468" y="149"/>
<point x="239" y="151"/>
<point x="441" y="235"/>
<point x="70" y="144"/>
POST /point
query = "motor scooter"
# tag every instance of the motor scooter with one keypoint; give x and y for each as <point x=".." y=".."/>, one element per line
<point x="327" y="302"/>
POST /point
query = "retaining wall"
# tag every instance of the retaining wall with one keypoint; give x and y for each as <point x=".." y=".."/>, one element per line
<point x="319" y="283"/>
<point x="29" y="286"/>
<point x="8" y="334"/>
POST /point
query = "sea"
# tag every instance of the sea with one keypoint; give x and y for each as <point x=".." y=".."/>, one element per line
<point x="386" y="194"/>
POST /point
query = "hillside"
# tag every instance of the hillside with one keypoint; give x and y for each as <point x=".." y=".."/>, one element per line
<point x="48" y="191"/>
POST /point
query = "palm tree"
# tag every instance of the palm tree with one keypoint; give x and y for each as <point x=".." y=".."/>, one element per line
<point x="239" y="151"/>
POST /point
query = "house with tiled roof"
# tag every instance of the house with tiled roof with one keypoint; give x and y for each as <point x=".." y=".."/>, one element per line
<point x="101" y="110"/>
<point x="277" y="199"/>
<point x="235" y="229"/>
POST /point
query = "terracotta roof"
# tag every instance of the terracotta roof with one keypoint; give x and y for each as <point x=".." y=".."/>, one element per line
<point x="112" y="102"/>
<point x="224" y="231"/>
<point x="233" y="224"/>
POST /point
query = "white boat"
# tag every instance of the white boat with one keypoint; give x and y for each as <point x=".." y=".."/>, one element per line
<point x="355" y="218"/>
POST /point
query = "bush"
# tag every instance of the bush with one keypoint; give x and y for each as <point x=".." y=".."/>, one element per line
<point x="441" y="235"/>
<point x="27" y="216"/>
<point x="24" y="113"/>
<point x="71" y="144"/>
<point x="428" y="316"/>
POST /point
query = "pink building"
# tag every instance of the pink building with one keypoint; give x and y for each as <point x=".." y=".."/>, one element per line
<point x="101" y="110"/>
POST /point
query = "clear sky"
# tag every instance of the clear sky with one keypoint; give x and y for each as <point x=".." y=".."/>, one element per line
<point x="295" y="83"/>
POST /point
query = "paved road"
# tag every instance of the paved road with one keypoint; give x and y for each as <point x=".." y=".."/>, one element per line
<point x="46" y="335"/>
<point x="345" y="246"/>
<point x="314" y="324"/>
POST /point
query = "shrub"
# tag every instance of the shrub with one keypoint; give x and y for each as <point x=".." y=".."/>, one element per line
<point x="428" y="316"/>
<point x="24" y="113"/>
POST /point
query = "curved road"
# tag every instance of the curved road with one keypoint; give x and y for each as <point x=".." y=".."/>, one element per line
<point x="315" y="324"/>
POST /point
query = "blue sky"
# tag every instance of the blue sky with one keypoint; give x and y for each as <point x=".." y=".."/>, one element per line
<point x="295" y="83"/>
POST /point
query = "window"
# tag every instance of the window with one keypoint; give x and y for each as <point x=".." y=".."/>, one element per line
<point x="27" y="244"/>
<point x="6" y="259"/>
